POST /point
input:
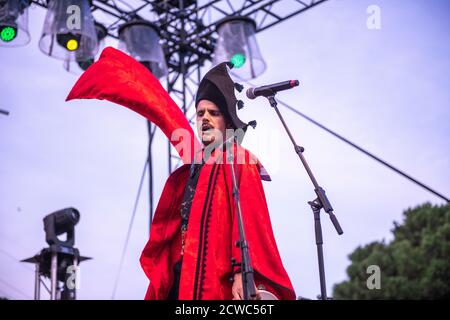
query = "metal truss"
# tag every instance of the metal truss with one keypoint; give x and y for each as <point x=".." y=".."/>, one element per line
<point x="189" y="35"/>
<point x="188" y="27"/>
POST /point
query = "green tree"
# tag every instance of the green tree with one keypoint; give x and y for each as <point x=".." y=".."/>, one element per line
<point x="414" y="265"/>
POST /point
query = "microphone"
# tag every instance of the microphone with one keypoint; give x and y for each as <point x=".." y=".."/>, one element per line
<point x="271" y="89"/>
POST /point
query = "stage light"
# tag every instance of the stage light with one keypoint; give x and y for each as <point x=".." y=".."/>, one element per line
<point x="14" y="23"/>
<point x="69" y="41"/>
<point x="8" y="33"/>
<point x="59" y="262"/>
<point x="141" y="40"/>
<point x="81" y="63"/>
<point x="237" y="44"/>
<point x="60" y="222"/>
<point x="69" y="31"/>
<point x="238" y="60"/>
<point x="72" y="45"/>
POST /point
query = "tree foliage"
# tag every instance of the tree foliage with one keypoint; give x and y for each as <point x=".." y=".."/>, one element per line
<point x="414" y="265"/>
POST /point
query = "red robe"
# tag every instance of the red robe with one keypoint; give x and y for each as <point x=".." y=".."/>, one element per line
<point x="211" y="234"/>
<point x="212" y="229"/>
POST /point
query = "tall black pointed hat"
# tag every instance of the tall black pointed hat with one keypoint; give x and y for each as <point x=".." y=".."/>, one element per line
<point x="218" y="87"/>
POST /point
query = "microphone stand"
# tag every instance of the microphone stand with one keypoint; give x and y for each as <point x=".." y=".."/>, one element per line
<point x="248" y="282"/>
<point x="320" y="202"/>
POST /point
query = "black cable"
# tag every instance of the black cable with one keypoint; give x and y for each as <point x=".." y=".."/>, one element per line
<point x="129" y="230"/>
<point x="16" y="260"/>
<point x="45" y="286"/>
<point x="365" y="152"/>
<point x="378" y="159"/>
<point x="15" y="289"/>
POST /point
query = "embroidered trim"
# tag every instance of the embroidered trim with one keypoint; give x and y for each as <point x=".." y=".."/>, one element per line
<point x="183" y="240"/>
<point x="201" y="264"/>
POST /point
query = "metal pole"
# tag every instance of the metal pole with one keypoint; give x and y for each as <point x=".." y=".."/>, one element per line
<point x="150" y="170"/>
<point x="75" y="264"/>
<point x="53" y="274"/>
<point x="248" y="281"/>
<point x="319" y="245"/>
<point x="37" y="283"/>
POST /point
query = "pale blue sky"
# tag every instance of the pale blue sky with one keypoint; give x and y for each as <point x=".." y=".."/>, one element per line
<point x="387" y="90"/>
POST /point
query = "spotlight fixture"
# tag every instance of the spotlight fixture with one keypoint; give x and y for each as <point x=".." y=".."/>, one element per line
<point x="59" y="262"/>
<point x="141" y="40"/>
<point x="238" y="60"/>
<point x="14" y="23"/>
<point x="68" y="40"/>
<point x="237" y="44"/>
<point x="61" y="222"/>
<point x="8" y="33"/>
<point x="68" y="34"/>
<point x="82" y="63"/>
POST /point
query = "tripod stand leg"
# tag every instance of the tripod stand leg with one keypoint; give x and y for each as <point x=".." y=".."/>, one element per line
<point x="323" y="288"/>
<point x="315" y="206"/>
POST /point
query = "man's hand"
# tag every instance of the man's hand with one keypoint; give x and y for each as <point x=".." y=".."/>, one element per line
<point x="238" y="288"/>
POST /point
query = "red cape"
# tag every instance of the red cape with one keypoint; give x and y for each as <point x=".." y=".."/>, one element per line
<point x="211" y="235"/>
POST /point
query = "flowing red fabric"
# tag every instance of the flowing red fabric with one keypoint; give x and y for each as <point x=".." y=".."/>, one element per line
<point x="211" y="236"/>
<point x="119" y="78"/>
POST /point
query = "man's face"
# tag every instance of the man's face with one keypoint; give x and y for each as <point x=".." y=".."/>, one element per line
<point x="211" y="122"/>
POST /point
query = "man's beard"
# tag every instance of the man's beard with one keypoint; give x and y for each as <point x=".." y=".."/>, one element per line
<point x="211" y="136"/>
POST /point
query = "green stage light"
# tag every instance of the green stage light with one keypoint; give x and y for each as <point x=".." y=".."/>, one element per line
<point x="238" y="60"/>
<point x="7" y="33"/>
<point x="237" y="44"/>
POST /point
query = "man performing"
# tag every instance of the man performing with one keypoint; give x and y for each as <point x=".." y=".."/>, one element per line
<point x="194" y="231"/>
